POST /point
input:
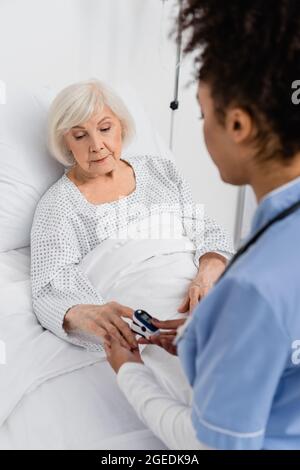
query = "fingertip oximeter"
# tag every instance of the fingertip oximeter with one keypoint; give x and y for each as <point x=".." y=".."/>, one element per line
<point x="142" y="324"/>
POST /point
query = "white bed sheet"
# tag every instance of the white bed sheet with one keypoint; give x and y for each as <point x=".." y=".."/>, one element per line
<point x="14" y="265"/>
<point x="83" y="409"/>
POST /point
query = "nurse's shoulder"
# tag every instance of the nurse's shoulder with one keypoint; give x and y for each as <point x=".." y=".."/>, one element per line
<point x="272" y="266"/>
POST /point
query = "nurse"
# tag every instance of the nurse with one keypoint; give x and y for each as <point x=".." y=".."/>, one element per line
<point x="239" y="348"/>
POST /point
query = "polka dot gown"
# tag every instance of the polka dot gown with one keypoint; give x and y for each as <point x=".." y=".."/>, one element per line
<point x="66" y="226"/>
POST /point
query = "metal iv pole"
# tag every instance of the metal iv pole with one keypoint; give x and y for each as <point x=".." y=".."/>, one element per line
<point x="175" y="103"/>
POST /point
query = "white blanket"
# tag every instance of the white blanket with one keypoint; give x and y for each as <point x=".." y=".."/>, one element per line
<point x="148" y="274"/>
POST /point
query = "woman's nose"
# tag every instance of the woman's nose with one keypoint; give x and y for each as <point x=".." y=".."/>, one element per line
<point x="96" y="149"/>
<point x="96" y="145"/>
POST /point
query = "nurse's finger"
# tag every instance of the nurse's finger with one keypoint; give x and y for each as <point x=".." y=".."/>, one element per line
<point x="169" y="347"/>
<point x="168" y="324"/>
<point x="156" y="340"/>
<point x="171" y="332"/>
<point x="144" y="341"/>
<point x="163" y="337"/>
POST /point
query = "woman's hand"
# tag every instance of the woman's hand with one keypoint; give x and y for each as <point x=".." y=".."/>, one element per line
<point x="103" y="321"/>
<point x="167" y="335"/>
<point x="211" y="267"/>
<point x="117" y="355"/>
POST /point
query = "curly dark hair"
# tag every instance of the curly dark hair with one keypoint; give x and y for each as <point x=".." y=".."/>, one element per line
<point x="249" y="54"/>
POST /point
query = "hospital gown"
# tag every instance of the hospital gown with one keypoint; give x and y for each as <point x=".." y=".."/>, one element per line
<point x="66" y="226"/>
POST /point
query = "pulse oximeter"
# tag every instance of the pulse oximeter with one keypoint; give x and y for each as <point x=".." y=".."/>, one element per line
<point x="142" y="325"/>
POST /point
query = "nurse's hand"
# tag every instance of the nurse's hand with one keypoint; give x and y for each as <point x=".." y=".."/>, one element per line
<point x="117" y="355"/>
<point x="167" y="335"/>
<point x="102" y="321"/>
<point x="211" y="266"/>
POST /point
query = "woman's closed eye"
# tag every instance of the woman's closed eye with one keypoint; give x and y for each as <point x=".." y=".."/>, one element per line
<point x="77" y="137"/>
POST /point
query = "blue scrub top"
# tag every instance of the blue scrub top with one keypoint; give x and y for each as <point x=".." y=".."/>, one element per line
<point x="241" y="349"/>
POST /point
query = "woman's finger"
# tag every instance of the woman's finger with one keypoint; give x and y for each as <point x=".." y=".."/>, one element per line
<point x="195" y="296"/>
<point x="184" y="306"/>
<point x="107" y="350"/>
<point x="122" y="310"/>
<point x="193" y="304"/>
<point x="125" y="331"/>
<point x="107" y="339"/>
<point x="116" y="346"/>
<point x="115" y="334"/>
<point x="205" y="291"/>
<point x="108" y="328"/>
<point x="96" y="331"/>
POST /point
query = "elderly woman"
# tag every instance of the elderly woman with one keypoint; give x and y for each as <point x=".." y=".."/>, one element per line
<point x="88" y="126"/>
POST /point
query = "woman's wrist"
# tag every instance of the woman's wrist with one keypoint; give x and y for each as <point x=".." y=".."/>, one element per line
<point x="211" y="265"/>
<point x="210" y="257"/>
<point x="68" y="319"/>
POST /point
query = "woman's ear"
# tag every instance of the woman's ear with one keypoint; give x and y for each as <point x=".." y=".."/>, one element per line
<point x="239" y="125"/>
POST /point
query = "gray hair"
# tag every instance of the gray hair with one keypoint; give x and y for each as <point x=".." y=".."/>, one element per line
<point x="74" y="105"/>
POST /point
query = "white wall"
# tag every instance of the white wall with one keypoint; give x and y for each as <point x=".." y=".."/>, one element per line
<point x="246" y="208"/>
<point x="220" y="199"/>
<point x="62" y="41"/>
<point x="40" y="41"/>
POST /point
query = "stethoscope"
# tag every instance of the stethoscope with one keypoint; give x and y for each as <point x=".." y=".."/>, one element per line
<point x="290" y="210"/>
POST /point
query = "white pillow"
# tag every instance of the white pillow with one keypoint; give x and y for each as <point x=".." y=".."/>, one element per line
<point x="27" y="169"/>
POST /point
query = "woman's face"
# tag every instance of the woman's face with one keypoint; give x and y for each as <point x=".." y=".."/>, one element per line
<point x="97" y="143"/>
<point x="228" y="144"/>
